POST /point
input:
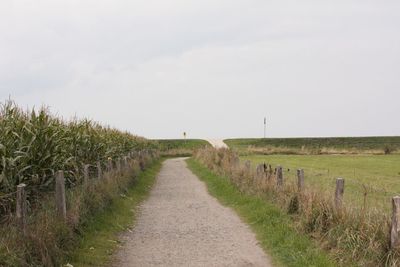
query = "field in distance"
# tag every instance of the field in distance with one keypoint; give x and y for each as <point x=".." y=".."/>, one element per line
<point x="369" y="173"/>
<point x="322" y="145"/>
<point x="374" y="178"/>
<point x="166" y="144"/>
<point x="180" y="147"/>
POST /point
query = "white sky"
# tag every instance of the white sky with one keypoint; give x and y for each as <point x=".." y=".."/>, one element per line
<point x="211" y="68"/>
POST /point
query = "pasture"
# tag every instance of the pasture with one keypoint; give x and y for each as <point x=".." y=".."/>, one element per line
<point x="377" y="176"/>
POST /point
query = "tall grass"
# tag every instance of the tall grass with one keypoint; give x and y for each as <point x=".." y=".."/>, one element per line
<point x="34" y="144"/>
<point x="353" y="235"/>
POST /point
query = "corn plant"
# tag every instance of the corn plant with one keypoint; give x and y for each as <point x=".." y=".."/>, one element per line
<point x="34" y="144"/>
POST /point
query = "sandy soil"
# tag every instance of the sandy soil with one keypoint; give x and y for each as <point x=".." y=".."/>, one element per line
<point x="217" y="143"/>
<point x="180" y="224"/>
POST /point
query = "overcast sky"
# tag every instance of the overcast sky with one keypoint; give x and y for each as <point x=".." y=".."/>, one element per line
<point x="211" y="68"/>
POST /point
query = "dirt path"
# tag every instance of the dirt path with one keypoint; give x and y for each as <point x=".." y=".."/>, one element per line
<point x="217" y="143"/>
<point x="180" y="224"/>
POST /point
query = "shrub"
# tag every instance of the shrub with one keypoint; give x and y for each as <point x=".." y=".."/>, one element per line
<point x="388" y="149"/>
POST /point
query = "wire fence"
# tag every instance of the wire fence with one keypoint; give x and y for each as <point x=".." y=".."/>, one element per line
<point x="35" y="191"/>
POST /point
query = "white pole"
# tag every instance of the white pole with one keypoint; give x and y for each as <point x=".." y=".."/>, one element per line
<point x="265" y="126"/>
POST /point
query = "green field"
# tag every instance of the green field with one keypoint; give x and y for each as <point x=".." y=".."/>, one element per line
<point x="181" y="144"/>
<point x="378" y="175"/>
<point x="350" y="143"/>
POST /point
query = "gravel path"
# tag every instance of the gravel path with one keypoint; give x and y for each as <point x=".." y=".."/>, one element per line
<point x="180" y="224"/>
<point x="217" y="143"/>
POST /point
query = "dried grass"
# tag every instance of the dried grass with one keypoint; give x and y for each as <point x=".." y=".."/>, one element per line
<point x="352" y="235"/>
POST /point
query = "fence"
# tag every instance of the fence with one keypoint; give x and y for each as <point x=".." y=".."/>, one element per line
<point x="263" y="172"/>
<point x="117" y="166"/>
<point x="370" y="234"/>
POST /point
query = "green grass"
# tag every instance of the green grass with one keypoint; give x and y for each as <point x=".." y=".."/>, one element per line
<point x="167" y="144"/>
<point x="180" y="147"/>
<point x="379" y="173"/>
<point x="360" y="143"/>
<point x="100" y="234"/>
<point x="272" y="226"/>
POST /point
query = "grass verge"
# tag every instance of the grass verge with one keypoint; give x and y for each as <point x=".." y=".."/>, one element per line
<point x="100" y="234"/>
<point x="272" y="226"/>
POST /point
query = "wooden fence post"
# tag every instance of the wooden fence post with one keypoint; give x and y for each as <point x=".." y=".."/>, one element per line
<point x="77" y="173"/>
<point x="117" y="165"/>
<point x="126" y="162"/>
<point x="60" y="195"/>
<point x="394" y="229"/>
<point x="279" y="176"/>
<point x="86" y="174"/>
<point x="247" y="165"/>
<point x="99" y="171"/>
<point x="260" y="170"/>
<point x="121" y="164"/>
<point x="260" y="173"/>
<point x="141" y="160"/>
<point x="300" y="179"/>
<point x="122" y="160"/>
<point x="339" y="192"/>
<point x="21" y="207"/>
<point x="110" y="165"/>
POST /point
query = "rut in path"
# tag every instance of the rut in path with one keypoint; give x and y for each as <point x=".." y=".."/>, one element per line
<point x="180" y="224"/>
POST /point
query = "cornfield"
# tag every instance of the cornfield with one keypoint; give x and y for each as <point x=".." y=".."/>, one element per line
<point x="34" y="144"/>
